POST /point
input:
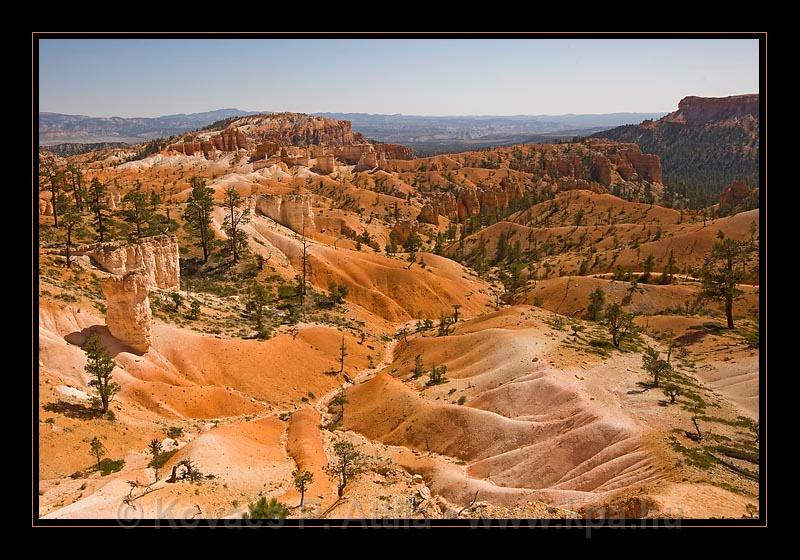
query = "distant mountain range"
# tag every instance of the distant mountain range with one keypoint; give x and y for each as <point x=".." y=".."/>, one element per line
<point x="422" y="133"/>
<point x="428" y="135"/>
<point x="56" y="128"/>
<point x="707" y="144"/>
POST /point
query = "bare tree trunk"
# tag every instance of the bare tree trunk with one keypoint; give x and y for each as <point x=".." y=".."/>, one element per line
<point x="696" y="427"/>
<point x="69" y="245"/>
<point x="729" y="309"/>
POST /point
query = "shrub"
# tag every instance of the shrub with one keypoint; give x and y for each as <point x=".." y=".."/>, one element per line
<point x="174" y="432"/>
<point x="263" y="509"/>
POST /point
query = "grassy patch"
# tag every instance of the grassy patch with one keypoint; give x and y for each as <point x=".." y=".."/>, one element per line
<point x="696" y="457"/>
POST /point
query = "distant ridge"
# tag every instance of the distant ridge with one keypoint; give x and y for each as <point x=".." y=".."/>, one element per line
<point x="58" y="128"/>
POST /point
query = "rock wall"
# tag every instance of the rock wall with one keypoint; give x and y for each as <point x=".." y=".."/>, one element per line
<point x="467" y="201"/>
<point x="291" y="211"/>
<point x="230" y="140"/>
<point x="696" y="111"/>
<point x="157" y="257"/>
<point x="395" y="151"/>
<point x="265" y="150"/>
<point x="326" y="164"/>
<point x="367" y="161"/>
<point x="351" y="154"/>
<point x="128" y="314"/>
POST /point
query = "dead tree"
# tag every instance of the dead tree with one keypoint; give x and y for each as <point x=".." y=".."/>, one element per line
<point x="472" y="503"/>
<point x="188" y="470"/>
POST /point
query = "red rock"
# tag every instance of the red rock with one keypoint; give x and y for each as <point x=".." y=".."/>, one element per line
<point x="736" y="194"/>
<point x="700" y="111"/>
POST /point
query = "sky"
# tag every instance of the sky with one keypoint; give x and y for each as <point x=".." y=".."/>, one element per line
<point x="152" y="77"/>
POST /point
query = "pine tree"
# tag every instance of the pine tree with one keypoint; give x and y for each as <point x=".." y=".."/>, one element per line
<point x="669" y="269"/>
<point x="71" y="219"/>
<point x="418" y="367"/>
<point x="97" y="449"/>
<point x="349" y="463"/>
<point x="198" y="211"/>
<point x="98" y="192"/>
<point x="99" y="366"/>
<point x="597" y="301"/>
<point x="620" y="324"/>
<point x="136" y="209"/>
<point x="301" y="480"/>
<point x="342" y="355"/>
<point x="235" y="218"/>
<point x="722" y="271"/>
<point x="266" y="509"/>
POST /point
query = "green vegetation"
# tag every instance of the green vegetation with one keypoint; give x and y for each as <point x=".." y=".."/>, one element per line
<point x="263" y="509"/>
<point x="597" y="301"/>
<point x="301" y="479"/>
<point x="174" y="432"/>
<point x="437" y="375"/>
<point x="235" y="218"/>
<point x="348" y="464"/>
<point x="418" y="367"/>
<point x="198" y="214"/>
<point x="723" y="270"/>
<point x="97" y="449"/>
<point x="620" y="324"/>
<point x="99" y="366"/>
<point x="698" y="162"/>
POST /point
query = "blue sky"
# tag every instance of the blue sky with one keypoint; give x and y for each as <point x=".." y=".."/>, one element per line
<point x="147" y="77"/>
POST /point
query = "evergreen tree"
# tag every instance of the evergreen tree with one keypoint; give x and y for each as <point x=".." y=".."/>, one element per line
<point x="99" y="366"/>
<point x="97" y="449"/>
<point x="723" y="270"/>
<point x="597" y="301"/>
<point x="70" y="220"/>
<point x="235" y="218"/>
<point x="349" y="463"/>
<point x="418" y="367"/>
<point x="98" y="193"/>
<point x="266" y="509"/>
<point x="669" y="269"/>
<point x="301" y="480"/>
<point x="136" y="209"/>
<point x="198" y="211"/>
<point x="620" y="324"/>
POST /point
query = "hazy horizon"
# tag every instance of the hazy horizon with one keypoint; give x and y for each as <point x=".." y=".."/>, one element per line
<point x="420" y="77"/>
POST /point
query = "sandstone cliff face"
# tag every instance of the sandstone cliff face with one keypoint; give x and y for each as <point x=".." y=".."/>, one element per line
<point x="696" y="111"/>
<point x="230" y="140"/>
<point x="647" y="166"/>
<point x="367" y="161"/>
<point x="325" y="164"/>
<point x="157" y="257"/>
<point x="128" y="314"/>
<point x="291" y="211"/>
<point x="395" y="151"/>
<point x="352" y="154"/>
<point x="738" y="197"/>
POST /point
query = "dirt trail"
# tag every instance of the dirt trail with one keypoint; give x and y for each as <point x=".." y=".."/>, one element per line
<point x="322" y="403"/>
